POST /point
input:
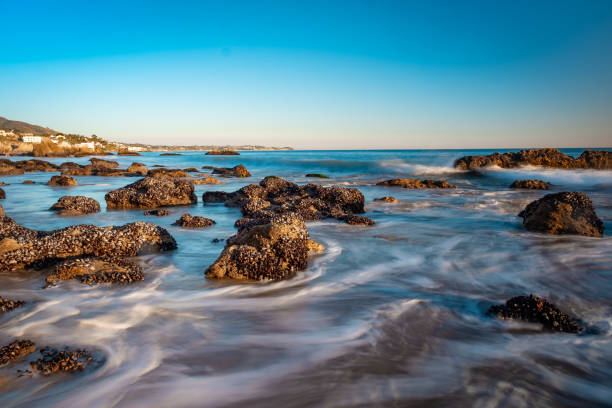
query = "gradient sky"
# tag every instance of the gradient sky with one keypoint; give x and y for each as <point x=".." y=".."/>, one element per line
<point x="328" y="74"/>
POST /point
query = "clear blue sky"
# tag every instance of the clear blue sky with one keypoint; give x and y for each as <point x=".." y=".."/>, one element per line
<point x="329" y="74"/>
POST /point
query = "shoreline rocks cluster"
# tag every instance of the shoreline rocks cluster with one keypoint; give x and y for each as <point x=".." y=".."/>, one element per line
<point x="415" y="184"/>
<point x="589" y="159"/>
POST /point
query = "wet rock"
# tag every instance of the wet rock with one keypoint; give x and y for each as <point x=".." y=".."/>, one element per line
<point x="67" y="360"/>
<point x="536" y="310"/>
<point x="216" y="196"/>
<point x="357" y="220"/>
<point x="160" y="212"/>
<point x="236" y="171"/>
<point x="62" y="181"/>
<point x="191" y="170"/>
<point x="93" y="270"/>
<point x="101" y="163"/>
<point x="2" y="183"/>
<point x="387" y="199"/>
<point x="127" y="153"/>
<point x="21" y="166"/>
<point x="28" y="182"/>
<point x="170" y="154"/>
<point x="415" y="184"/>
<point x="222" y="153"/>
<point x="207" y="180"/>
<point x="269" y="248"/>
<point x="138" y="168"/>
<point x="6" y="305"/>
<point x="1" y="211"/>
<point x="563" y="213"/>
<point x="2" y="194"/>
<point x="189" y="221"/>
<point x="152" y="192"/>
<point x="216" y="240"/>
<point x="167" y="173"/>
<point x="76" y="205"/>
<point x="15" y="350"/>
<point x="531" y="184"/>
<point x="21" y="247"/>
<point x="317" y="175"/>
<point x="592" y="159"/>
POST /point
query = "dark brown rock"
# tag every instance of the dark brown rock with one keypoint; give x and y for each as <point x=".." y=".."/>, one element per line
<point x="101" y="163"/>
<point x="563" y="213"/>
<point x="189" y="221"/>
<point x="1" y="211"/>
<point x="67" y="360"/>
<point x="536" y="310"/>
<point x="269" y="248"/>
<point x="76" y="205"/>
<point x="357" y="220"/>
<point x="62" y="181"/>
<point x="127" y="153"/>
<point x="22" y="247"/>
<point x="206" y="180"/>
<point x="415" y="184"/>
<point x="92" y="270"/>
<point x="216" y="196"/>
<point x="160" y="212"/>
<point x="15" y="350"/>
<point x="531" y="184"/>
<point x="236" y="171"/>
<point x="167" y="173"/>
<point x="170" y="154"/>
<point x="138" y="168"/>
<point x="2" y="194"/>
<point x="386" y="199"/>
<point x="222" y="153"/>
<point x="29" y="182"/>
<point x="22" y="166"/>
<point x="6" y="305"/>
<point x="152" y="192"/>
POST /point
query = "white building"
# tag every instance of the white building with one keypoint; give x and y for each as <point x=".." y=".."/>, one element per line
<point x="86" y="145"/>
<point x="134" y="149"/>
<point x="29" y="138"/>
<point x="6" y="132"/>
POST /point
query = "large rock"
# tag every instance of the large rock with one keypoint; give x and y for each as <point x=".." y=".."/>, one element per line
<point x="274" y="195"/>
<point x="21" y="166"/>
<point x="101" y="163"/>
<point x="91" y="270"/>
<point x="268" y="248"/>
<point x="138" y="168"/>
<point x="76" y="205"/>
<point x="21" y="247"/>
<point x="415" y="184"/>
<point x="536" y="310"/>
<point x="531" y="184"/>
<point x="151" y="192"/>
<point x="589" y="159"/>
<point x="191" y="221"/>
<point x="62" y="181"/>
<point x="236" y="171"/>
<point x="563" y="213"/>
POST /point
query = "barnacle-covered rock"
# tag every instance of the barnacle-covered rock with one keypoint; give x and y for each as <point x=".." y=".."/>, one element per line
<point x="152" y="192"/>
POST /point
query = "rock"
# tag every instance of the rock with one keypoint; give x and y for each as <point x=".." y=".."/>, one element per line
<point x="415" y="184"/>
<point x="76" y="205"/>
<point x="170" y="154"/>
<point x="167" y="173"/>
<point x="269" y="248"/>
<point x="127" y="153"/>
<point x="237" y="171"/>
<point x="191" y="170"/>
<point x="317" y="175"/>
<point x="2" y="194"/>
<point x="208" y="167"/>
<point x="67" y="360"/>
<point x="21" y="166"/>
<point x="92" y="270"/>
<point x="138" y="168"/>
<point x="1" y="211"/>
<point x="274" y="195"/>
<point x="152" y="192"/>
<point x="21" y="247"/>
<point x="357" y="220"/>
<point x="387" y="199"/>
<point x="28" y="182"/>
<point x="101" y="163"/>
<point x="563" y="213"/>
<point x="161" y="212"/>
<point x="222" y="153"/>
<point x="530" y="184"/>
<point x="6" y="305"/>
<point x="536" y="310"/>
<point x="592" y="159"/>
<point x="15" y="350"/>
<point x="2" y="183"/>
<point x="62" y="181"/>
<point x="207" y="180"/>
<point x="189" y="221"/>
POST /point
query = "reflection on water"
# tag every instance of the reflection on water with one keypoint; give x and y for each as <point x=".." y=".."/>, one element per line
<point x="390" y="315"/>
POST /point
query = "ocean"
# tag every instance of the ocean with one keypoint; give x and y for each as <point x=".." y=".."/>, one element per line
<point x="388" y="315"/>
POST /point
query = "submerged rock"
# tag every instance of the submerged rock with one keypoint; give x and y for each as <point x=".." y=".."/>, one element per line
<point x="207" y="180"/>
<point x="317" y="175"/>
<point x="170" y="154"/>
<point x="151" y="192"/>
<point x="589" y="159"/>
<point x="6" y="305"/>
<point x="222" y="153"/>
<point x="274" y="195"/>
<point x="15" y="350"/>
<point x="189" y="221"/>
<point x="76" y="205"/>
<point x="67" y="360"/>
<point x="62" y="181"/>
<point x="536" y="310"/>
<point x="160" y="212"/>
<point x="29" y="182"/>
<point x="92" y="270"/>
<point x="236" y="171"/>
<point x="387" y="199"/>
<point x="563" y="213"/>
<point x="21" y="247"/>
<point x="167" y="173"/>
<point x="531" y="184"/>
<point x="357" y="220"/>
<point x="415" y="184"/>
<point x="268" y="248"/>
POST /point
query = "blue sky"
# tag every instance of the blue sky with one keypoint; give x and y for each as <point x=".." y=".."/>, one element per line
<point x="358" y="74"/>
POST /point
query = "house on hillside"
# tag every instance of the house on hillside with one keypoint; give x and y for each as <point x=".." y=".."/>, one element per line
<point x="30" y="138"/>
<point x="86" y="145"/>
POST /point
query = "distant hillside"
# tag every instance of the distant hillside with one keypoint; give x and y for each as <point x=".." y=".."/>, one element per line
<point x="23" y="127"/>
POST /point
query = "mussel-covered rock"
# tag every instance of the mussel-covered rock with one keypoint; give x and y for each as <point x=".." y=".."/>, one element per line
<point x="386" y="199"/>
<point x="67" y="360"/>
<point x="15" y="350"/>
<point x="531" y="184"/>
<point x="101" y="163"/>
<point x="268" y="248"/>
<point x="190" y="221"/>
<point x="62" y="181"/>
<point x="152" y="192"/>
<point x="6" y="305"/>
<point x="21" y="247"/>
<point x="415" y="184"/>
<point x="536" y="310"/>
<point x="207" y="180"/>
<point x="563" y="213"/>
<point x="167" y="173"/>
<point x="236" y="171"/>
<point x="76" y="205"/>
<point x="160" y="212"/>
<point x="92" y="270"/>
